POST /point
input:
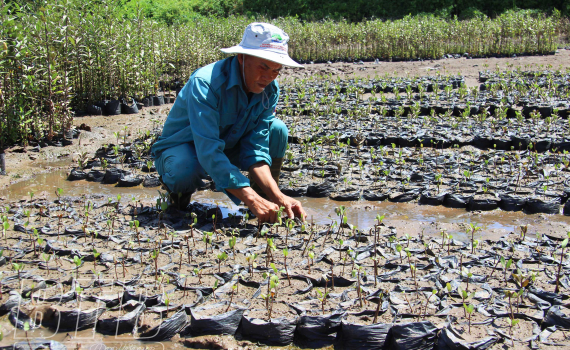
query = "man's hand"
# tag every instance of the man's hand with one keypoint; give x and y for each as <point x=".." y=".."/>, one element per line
<point x="264" y="210"/>
<point x="293" y="207"/>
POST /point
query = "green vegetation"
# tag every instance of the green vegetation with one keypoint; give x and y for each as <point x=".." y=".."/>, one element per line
<point x="170" y="11"/>
<point x="68" y="54"/>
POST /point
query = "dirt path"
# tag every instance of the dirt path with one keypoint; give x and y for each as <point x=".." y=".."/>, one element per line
<point x="469" y="68"/>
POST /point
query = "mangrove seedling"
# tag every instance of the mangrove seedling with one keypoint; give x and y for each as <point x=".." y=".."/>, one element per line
<point x="408" y="237"/>
<point x="563" y="246"/>
<point x="271" y="247"/>
<point x="473" y="229"/>
<point x="95" y="256"/>
<point x="77" y="261"/>
<point x="166" y="301"/>
<point x="271" y="295"/>
<point x="185" y="281"/>
<point x="154" y="255"/>
<point x="512" y="322"/>
<point x="378" y="307"/>
<point x="5" y="226"/>
<point x="46" y="258"/>
<point x="221" y="258"/>
<point x="469" y="310"/>
<point x="341" y="212"/>
<point x="78" y="291"/>
<point x="18" y="267"/>
<point x="433" y="292"/>
<point x="233" y="291"/>
<point x="26" y="329"/>
<point x="208" y="238"/>
<point x="467" y="274"/>
<point x="250" y="259"/>
<point x="194" y="219"/>
<point x="356" y="272"/>
<point x="323" y="299"/>
<point x="311" y="259"/>
<point x="507" y="265"/>
<point x="399" y="250"/>
<point x="58" y="193"/>
<point x="464" y="297"/>
<point x="198" y="272"/>
<point x="232" y="244"/>
<point x="285" y="254"/>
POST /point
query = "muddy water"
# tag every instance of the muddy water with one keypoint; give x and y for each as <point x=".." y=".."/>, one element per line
<point x="407" y="218"/>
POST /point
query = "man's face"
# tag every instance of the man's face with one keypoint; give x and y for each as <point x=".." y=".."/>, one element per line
<point x="258" y="72"/>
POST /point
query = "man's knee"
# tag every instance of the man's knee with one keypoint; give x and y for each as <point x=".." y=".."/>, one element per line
<point x="180" y="171"/>
<point x="278" y="134"/>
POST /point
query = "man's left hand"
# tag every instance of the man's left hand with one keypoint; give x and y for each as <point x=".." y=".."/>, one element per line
<point x="293" y="207"/>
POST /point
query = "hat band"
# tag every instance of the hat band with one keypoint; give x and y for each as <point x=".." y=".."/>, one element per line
<point x="273" y="46"/>
<point x="266" y="46"/>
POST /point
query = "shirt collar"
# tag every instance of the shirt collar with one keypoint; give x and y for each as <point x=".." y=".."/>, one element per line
<point x="235" y="80"/>
<point x="235" y="74"/>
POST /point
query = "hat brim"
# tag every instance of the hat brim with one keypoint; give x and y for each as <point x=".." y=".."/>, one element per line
<point x="267" y="55"/>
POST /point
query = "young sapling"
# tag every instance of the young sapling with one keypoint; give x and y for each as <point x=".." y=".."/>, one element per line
<point x="469" y="310"/>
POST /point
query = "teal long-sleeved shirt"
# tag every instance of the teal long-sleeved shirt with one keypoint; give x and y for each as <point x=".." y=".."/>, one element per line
<point x="213" y="111"/>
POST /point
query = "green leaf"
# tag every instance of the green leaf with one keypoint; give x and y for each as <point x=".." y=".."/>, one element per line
<point x="564" y="243"/>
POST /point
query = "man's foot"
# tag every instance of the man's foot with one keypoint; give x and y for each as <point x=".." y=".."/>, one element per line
<point x="180" y="200"/>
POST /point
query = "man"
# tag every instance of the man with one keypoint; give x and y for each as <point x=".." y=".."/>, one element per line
<point x="223" y="121"/>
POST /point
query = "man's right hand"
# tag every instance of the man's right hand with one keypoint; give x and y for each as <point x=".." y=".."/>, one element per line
<point x="264" y="210"/>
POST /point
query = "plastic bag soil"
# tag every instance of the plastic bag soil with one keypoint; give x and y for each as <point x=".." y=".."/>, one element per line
<point x="71" y="320"/>
<point x="317" y="331"/>
<point x="512" y="203"/>
<point x="412" y="336"/>
<point x="483" y="204"/>
<point x="538" y="205"/>
<point x="122" y="324"/>
<point x="447" y="340"/>
<point x="320" y="190"/>
<point x="18" y="318"/>
<point x="429" y="198"/>
<point x="277" y="332"/>
<point x="226" y="323"/>
<point x="374" y="196"/>
<point x="454" y="200"/>
<point x="355" y="336"/>
<point x="555" y="317"/>
<point x="166" y="329"/>
<point x="13" y="300"/>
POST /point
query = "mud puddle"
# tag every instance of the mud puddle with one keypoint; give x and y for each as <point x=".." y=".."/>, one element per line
<point x="407" y="218"/>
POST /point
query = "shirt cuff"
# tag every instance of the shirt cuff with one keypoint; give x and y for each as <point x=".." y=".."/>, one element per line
<point x="237" y="180"/>
<point x="252" y="159"/>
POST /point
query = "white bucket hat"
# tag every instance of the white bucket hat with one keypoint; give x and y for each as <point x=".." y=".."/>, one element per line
<point x="265" y="41"/>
